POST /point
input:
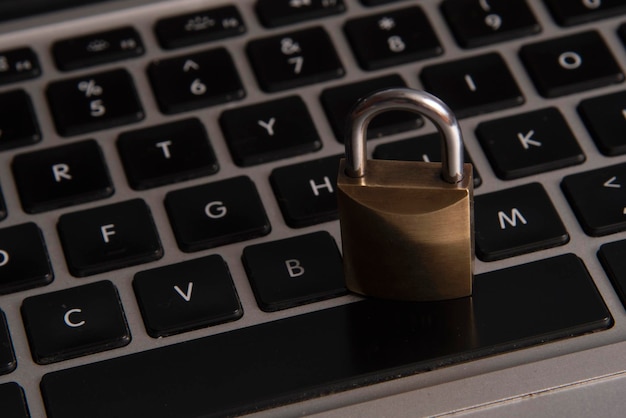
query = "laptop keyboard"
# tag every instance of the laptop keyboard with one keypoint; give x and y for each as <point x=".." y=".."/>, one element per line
<point x="168" y="218"/>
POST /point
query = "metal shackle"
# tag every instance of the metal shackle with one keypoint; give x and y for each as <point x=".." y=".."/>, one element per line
<point x="415" y="101"/>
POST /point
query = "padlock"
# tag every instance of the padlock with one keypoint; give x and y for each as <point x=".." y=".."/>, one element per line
<point x="406" y="226"/>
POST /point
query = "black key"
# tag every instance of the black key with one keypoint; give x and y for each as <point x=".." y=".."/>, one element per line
<point x="475" y="85"/>
<point x="195" y="80"/>
<point x="597" y="198"/>
<point x="199" y="27"/>
<point x="269" y="131"/>
<point x="61" y="176"/>
<point x="15" y="10"/>
<point x="13" y="401"/>
<point x="294" y="271"/>
<point x="8" y="363"/>
<point x="166" y="153"/>
<point x="97" y="48"/>
<point x="18" y="124"/>
<point x="570" y="64"/>
<point x="294" y="59"/>
<point x="392" y="38"/>
<point x="569" y="13"/>
<point x="17" y="65"/>
<point x="611" y="256"/>
<point x="216" y="214"/>
<point x="424" y="148"/>
<point x="335" y="349"/>
<point x="93" y="102"/>
<point x="186" y="296"/>
<point x="605" y="119"/>
<point x="273" y="13"/>
<point x="109" y="237"/>
<point x="338" y="102"/>
<point x="24" y="261"/>
<point x="529" y="143"/>
<point x="74" y="322"/>
<point x="516" y="221"/>
<point x="306" y="191"/>
<point x="477" y="23"/>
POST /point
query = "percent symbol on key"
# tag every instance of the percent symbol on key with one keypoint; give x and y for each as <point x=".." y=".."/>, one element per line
<point x="90" y="88"/>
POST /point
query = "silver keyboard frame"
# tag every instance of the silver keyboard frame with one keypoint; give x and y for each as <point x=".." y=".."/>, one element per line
<point x="572" y="377"/>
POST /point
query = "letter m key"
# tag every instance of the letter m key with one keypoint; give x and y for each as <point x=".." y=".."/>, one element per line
<point x="516" y="215"/>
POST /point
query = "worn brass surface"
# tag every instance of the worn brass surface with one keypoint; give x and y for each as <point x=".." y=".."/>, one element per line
<point x="406" y="233"/>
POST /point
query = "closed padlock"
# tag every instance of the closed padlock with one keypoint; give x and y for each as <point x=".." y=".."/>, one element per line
<point x="406" y="226"/>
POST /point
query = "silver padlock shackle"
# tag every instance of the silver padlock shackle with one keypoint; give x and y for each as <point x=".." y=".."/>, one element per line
<point x="415" y="101"/>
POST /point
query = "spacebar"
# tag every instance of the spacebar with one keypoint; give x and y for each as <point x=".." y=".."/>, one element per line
<point x="334" y="349"/>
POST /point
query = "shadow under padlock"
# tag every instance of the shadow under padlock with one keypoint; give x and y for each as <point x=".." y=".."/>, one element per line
<point x="406" y="227"/>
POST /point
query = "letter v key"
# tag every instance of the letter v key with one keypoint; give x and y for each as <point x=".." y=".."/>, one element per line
<point x="185" y="295"/>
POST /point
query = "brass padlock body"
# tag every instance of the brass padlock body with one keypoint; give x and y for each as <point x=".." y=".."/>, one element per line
<point x="406" y="233"/>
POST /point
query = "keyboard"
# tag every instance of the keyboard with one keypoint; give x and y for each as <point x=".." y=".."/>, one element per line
<point x="169" y="235"/>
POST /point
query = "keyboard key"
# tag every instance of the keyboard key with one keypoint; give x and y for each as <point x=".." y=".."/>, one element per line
<point x="475" y="85"/>
<point x="478" y="23"/>
<point x="61" y="176"/>
<point x="605" y="119"/>
<point x="306" y="191"/>
<point x="24" y="261"/>
<point x="8" y="363"/>
<point x="273" y="13"/>
<point x="109" y="237"/>
<point x="97" y="48"/>
<point x="166" y="153"/>
<point x="338" y="102"/>
<point x="269" y="131"/>
<point x="570" y="64"/>
<point x="516" y="221"/>
<point x="597" y="198"/>
<point x="18" y="124"/>
<point x="17" y="65"/>
<point x="26" y="10"/>
<point x="425" y="148"/>
<point x="216" y="214"/>
<point x="529" y="143"/>
<point x="294" y="271"/>
<point x="392" y="38"/>
<point x="294" y="59"/>
<point x="13" y="401"/>
<point x="74" y="322"/>
<point x="195" y="80"/>
<point x="306" y="355"/>
<point x="611" y="256"/>
<point x="569" y="13"/>
<point x="94" y="102"/>
<point x="199" y="27"/>
<point x="186" y="296"/>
